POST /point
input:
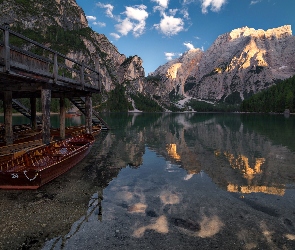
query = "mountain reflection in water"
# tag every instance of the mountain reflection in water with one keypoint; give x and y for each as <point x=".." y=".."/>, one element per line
<point x="170" y="183"/>
<point x="188" y="181"/>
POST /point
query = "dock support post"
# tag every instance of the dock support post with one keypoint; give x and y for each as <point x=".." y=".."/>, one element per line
<point x="62" y="119"/>
<point x="33" y="113"/>
<point x="88" y="112"/>
<point x="55" y="68"/>
<point x="6" y="51"/>
<point x="46" y="100"/>
<point x="7" y="103"/>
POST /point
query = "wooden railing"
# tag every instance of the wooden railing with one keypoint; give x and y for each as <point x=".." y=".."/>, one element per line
<point x="20" y="53"/>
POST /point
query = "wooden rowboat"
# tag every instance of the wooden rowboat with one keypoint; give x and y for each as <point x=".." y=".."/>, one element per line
<point x="18" y="148"/>
<point x="24" y="136"/>
<point x="75" y="130"/>
<point x="15" y="150"/>
<point x="43" y="164"/>
<point x="69" y="131"/>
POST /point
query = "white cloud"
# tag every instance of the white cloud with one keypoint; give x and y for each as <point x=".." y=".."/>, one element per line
<point x="185" y="13"/>
<point x="115" y="35"/>
<point x="169" y="55"/>
<point x="137" y="12"/>
<point x="134" y="21"/>
<point x="109" y="8"/>
<point x="173" y="11"/>
<point x="124" y="27"/>
<point x="215" y="5"/>
<point x="91" y="18"/>
<point x="170" y="25"/>
<point x="188" y="1"/>
<point x="159" y="8"/>
<point x="162" y="3"/>
<point x="100" y="24"/>
<point x="189" y="45"/>
<point x="255" y="2"/>
<point x="138" y="29"/>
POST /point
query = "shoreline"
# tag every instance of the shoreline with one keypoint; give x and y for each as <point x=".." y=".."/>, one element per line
<point x="176" y="112"/>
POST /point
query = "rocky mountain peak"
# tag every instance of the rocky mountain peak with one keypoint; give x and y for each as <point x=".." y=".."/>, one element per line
<point x="238" y="64"/>
<point x="280" y="32"/>
<point x="175" y="72"/>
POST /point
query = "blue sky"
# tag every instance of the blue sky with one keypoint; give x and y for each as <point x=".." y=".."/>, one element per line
<point x="161" y="30"/>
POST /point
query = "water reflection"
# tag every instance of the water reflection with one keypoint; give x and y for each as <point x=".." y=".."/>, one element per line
<point x="18" y="119"/>
<point x="188" y="181"/>
<point x="256" y="189"/>
<point x="171" y="177"/>
<point x="171" y="149"/>
<point x="146" y="202"/>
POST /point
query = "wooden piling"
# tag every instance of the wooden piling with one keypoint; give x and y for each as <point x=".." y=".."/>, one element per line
<point x="6" y="51"/>
<point x="46" y="100"/>
<point x="33" y="113"/>
<point x="7" y="103"/>
<point x="88" y="111"/>
<point x="62" y="120"/>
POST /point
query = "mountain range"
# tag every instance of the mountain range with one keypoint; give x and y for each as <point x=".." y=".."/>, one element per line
<point x="237" y="65"/>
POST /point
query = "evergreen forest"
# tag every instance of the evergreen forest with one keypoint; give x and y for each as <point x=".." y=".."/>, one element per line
<point x="275" y="99"/>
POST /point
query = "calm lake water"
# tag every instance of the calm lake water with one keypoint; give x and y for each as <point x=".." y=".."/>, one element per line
<point x="166" y="181"/>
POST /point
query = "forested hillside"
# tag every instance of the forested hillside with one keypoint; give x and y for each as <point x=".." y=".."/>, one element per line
<point x="277" y="98"/>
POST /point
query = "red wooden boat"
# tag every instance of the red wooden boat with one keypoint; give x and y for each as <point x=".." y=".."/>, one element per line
<point x="75" y="130"/>
<point x="24" y="135"/>
<point x="43" y="164"/>
<point x="10" y="152"/>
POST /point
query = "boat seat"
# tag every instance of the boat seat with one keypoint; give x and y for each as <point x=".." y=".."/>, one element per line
<point x="37" y="153"/>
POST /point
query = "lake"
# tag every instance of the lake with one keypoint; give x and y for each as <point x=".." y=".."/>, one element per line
<point x="166" y="181"/>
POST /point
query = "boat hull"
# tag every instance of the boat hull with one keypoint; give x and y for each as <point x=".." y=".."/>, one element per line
<point x="34" y="177"/>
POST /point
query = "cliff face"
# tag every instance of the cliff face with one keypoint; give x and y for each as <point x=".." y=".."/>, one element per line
<point x="33" y="14"/>
<point x="173" y="75"/>
<point x="57" y="23"/>
<point x="241" y="62"/>
<point x="132" y="71"/>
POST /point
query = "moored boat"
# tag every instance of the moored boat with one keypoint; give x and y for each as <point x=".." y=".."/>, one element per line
<point x="13" y="151"/>
<point x="43" y="164"/>
<point x="69" y="131"/>
<point x="22" y="135"/>
<point x="96" y="129"/>
<point x="75" y="130"/>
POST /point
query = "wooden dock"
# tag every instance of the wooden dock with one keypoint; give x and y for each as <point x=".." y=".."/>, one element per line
<point x="40" y="72"/>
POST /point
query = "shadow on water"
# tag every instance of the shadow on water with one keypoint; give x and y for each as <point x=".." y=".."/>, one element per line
<point x="171" y="181"/>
